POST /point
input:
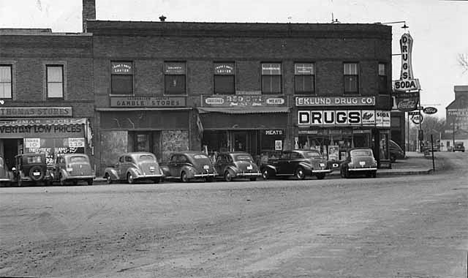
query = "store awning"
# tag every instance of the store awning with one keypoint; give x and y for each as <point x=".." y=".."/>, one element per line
<point x="47" y="121"/>
<point x="243" y="110"/>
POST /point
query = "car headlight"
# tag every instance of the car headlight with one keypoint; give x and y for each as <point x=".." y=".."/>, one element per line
<point x="69" y="169"/>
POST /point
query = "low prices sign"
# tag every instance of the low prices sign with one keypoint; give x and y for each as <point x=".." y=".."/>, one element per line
<point x="407" y="101"/>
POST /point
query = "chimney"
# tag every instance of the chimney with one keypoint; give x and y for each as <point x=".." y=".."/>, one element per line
<point x="89" y="12"/>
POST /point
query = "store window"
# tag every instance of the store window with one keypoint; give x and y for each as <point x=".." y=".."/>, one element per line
<point x="351" y="78"/>
<point x="224" y="78"/>
<point x="6" y="82"/>
<point x="54" y="77"/>
<point x="304" y="78"/>
<point x="122" y="78"/>
<point x="383" y="79"/>
<point x="174" y="78"/>
<point x="271" y="78"/>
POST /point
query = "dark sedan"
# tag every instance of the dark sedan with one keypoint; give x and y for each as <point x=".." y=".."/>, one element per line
<point x="236" y="165"/>
<point x="189" y="165"/>
<point x="359" y="161"/>
<point x="298" y="163"/>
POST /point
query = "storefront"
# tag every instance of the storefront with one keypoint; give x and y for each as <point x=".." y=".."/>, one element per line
<point x="159" y="125"/>
<point x="333" y="125"/>
<point x="30" y="130"/>
<point x="256" y="124"/>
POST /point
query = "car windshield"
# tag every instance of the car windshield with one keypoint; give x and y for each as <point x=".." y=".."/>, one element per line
<point x="34" y="159"/>
<point x="243" y="157"/>
<point x="78" y="159"/>
<point x="146" y="157"/>
<point x="361" y="153"/>
<point x="312" y="154"/>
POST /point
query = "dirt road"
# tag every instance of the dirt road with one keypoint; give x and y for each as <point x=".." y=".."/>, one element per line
<point x="410" y="226"/>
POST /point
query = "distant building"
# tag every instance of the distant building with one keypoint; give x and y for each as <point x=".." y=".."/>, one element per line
<point x="456" y="129"/>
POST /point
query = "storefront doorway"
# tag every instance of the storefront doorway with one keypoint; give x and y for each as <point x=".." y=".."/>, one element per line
<point x="11" y="147"/>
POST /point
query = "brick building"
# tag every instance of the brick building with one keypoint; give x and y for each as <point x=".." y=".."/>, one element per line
<point x="256" y="87"/>
<point x="46" y="89"/>
<point x="456" y="128"/>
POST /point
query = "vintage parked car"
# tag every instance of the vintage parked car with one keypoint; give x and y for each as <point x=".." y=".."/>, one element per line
<point x="31" y="168"/>
<point x="189" y="165"/>
<point x="396" y="152"/>
<point x="236" y="165"/>
<point x="298" y="163"/>
<point x="72" y="167"/>
<point x="459" y="147"/>
<point x="6" y="176"/>
<point x="135" y="166"/>
<point x="359" y="161"/>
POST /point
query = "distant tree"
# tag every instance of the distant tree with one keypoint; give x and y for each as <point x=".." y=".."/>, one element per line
<point x="463" y="61"/>
<point x="430" y="125"/>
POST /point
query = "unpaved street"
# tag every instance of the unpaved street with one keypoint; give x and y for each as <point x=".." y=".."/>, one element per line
<point x="408" y="226"/>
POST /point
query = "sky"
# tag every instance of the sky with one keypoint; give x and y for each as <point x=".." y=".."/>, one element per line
<point x="439" y="27"/>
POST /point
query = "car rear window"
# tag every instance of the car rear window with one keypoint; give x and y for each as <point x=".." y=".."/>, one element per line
<point x="34" y="159"/>
<point x="78" y="159"/>
<point x="312" y="154"/>
<point x="361" y="153"/>
<point x="243" y="158"/>
<point x="146" y="157"/>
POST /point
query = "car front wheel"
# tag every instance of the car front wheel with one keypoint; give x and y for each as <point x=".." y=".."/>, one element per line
<point x="183" y="177"/>
<point x="228" y="176"/>
<point x="320" y="176"/>
<point x="130" y="178"/>
<point x="265" y="174"/>
<point x="108" y="179"/>
<point x="300" y="174"/>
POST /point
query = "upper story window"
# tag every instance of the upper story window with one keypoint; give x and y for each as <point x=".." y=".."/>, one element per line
<point x="122" y="78"/>
<point x="351" y="78"/>
<point x="174" y="78"/>
<point x="271" y="78"/>
<point x="224" y="78"/>
<point x="55" y="84"/>
<point x="383" y="79"/>
<point x="6" y="83"/>
<point x="304" y="78"/>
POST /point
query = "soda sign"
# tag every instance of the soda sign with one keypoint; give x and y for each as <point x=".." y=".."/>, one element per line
<point x="406" y="85"/>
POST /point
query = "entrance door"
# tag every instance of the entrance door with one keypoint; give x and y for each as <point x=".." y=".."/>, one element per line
<point x="11" y="147"/>
<point x="240" y="141"/>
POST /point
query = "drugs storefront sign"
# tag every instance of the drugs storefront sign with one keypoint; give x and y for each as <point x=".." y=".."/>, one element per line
<point x="378" y="118"/>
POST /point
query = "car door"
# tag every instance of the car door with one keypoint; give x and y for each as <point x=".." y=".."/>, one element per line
<point x="118" y="167"/>
<point x="283" y="167"/>
<point x="220" y="164"/>
<point x="173" y="165"/>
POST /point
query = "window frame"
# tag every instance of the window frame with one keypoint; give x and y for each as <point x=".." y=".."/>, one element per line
<point x="130" y="74"/>
<point x="220" y="73"/>
<point x="271" y="73"/>
<point x="303" y="75"/>
<point x="175" y="73"/>
<point x="347" y="75"/>
<point x="5" y="83"/>
<point x="382" y="79"/>
<point x="49" y="82"/>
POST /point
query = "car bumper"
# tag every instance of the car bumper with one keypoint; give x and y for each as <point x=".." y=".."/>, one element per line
<point x="204" y="175"/>
<point x="155" y="176"/>
<point x="361" y="169"/>
<point x="247" y="174"/>
<point x="79" y="177"/>
<point x="325" y="171"/>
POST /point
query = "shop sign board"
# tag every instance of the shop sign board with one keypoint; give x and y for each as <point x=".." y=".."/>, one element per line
<point x="273" y="132"/>
<point x="407" y="101"/>
<point x="22" y="112"/>
<point x="430" y="110"/>
<point x="378" y="118"/>
<point x="128" y="102"/>
<point x="243" y="101"/>
<point x="417" y="119"/>
<point x="335" y="101"/>
<point x="33" y="128"/>
<point x="407" y="82"/>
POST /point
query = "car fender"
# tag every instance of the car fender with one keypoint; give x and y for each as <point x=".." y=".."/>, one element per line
<point x="307" y="167"/>
<point x="64" y="174"/>
<point x="165" y="170"/>
<point x="269" y="168"/>
<point x="189" y="170"/>
<point x="134" y="171"/>
<point x="112" y="173"/>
